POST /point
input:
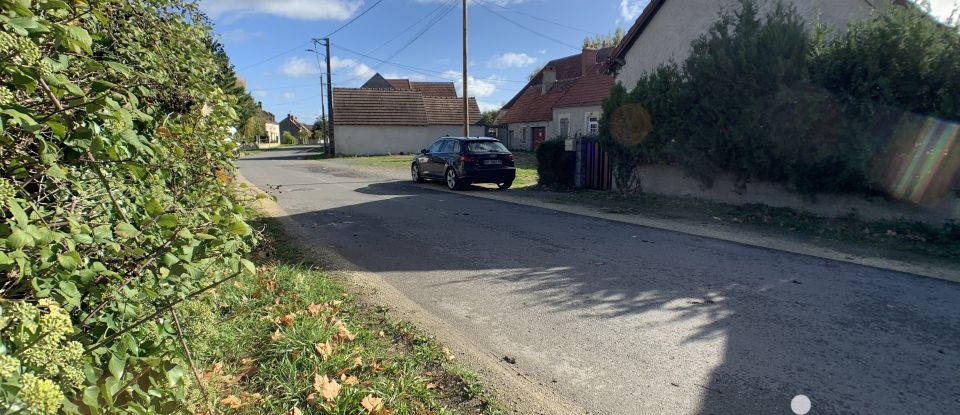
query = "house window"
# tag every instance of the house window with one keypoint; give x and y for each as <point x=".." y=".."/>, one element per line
<point x="593" y="125"/>
<point x="564" y="126"/>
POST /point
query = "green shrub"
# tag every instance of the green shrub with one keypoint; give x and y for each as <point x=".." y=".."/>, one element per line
<point x="765" y="99"/>
<point x="116" y="199"/>
<point x="555" y="166"/>
<point x="288" y="138"/>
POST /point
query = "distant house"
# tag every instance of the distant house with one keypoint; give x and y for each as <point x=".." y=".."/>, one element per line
<point x="398" y="116"/>
<point x="562" y="100"/>
<point x="666" y="28"/>
<point x="271" y="128"/>
<point x="297" y="129"/>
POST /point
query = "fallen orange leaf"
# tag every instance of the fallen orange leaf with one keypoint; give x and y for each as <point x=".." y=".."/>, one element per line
<point x="286" y="321"/>
<point x="276" y="336"/>
<point x="295" y="411"/>
<point x="328" y="388"/>
<point x="343" y="333"/>
<point x="325" y="350"/>
<point x="372" y="403"/>
<point x="352" y="380"/>
<point x="314" y="309"/>
<point x="231" y="401"/>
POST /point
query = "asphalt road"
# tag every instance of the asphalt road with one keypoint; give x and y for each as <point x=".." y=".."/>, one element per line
<point x="624" y="319"/>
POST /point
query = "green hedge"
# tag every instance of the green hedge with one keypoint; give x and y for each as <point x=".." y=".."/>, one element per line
<point x="767" y="99"/>
<point x="555" y="167"/>
<point x="116" y="200"/>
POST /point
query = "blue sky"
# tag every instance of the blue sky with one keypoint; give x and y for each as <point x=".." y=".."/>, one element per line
<point x="267" y="39"/>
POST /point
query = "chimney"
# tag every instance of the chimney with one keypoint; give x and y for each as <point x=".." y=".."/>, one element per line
<point x="549" y="78"/>
<point x="260" y="104"/>
<point x="588" y="58"/>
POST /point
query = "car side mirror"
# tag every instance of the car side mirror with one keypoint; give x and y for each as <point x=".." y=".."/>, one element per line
<point x="424" y="151"/>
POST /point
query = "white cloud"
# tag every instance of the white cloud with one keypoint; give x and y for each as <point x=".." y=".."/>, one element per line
<point x="512" y="60"/>
<point x="238" y="35"/>
<point x="361" y="71"/>
<point x="340" y="63"/>
<point x="542" y="51"/>
<point x="259" y="93"/>
<point x="294" y="9"/>
<point x="497" y="2"/>
<point x="489" y="106"/>
<point x="288" y="95"/>
<point x="943" y="10"/>
<point x="631" y="9"/>
<point x="476" y="87"/>
<point x="297" y="67"/>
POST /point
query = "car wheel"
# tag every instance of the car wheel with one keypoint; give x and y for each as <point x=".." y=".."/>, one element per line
<point x="504" y="186"/>
<point x="415" y="173"/>
<point x="452" y="181"/>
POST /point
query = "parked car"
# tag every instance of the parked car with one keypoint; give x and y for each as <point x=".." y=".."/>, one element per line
<point x="460" y="161"/>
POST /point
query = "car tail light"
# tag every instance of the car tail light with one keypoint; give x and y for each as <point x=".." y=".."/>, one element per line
<point x="510" y="157"/>
<point x="467" y="159"/>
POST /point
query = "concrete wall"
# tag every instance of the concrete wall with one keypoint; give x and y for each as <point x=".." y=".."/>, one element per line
<point x="679" y="22"/>
<point x="364" y="140"/>
<point x="578" y="120"/>
<point x="673" y="182"/>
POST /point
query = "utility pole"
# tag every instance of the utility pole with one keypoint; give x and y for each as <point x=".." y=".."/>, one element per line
<point x="323" y="112"/>
<point x="331" y="144"/>
<point x="466" y="99"/>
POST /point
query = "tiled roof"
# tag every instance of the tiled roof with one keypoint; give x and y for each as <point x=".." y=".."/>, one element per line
<point x="449" y="111"/>
<point x="377" y="81"/>
<point x="399" y="83"/>
<point x="531" y="106"/>
<point x="580" y="82"/>
<point x="354" y="106"/>
<point x="590" y="89"/>
<point x="359" y="106"/>
<point x="435" y="89"/>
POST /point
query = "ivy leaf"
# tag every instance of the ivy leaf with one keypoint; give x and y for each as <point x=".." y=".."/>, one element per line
<point x="167" y="220"/>
<point x="126" y="230"/>
<point x="116" y="367"/>
<point x="21" y="25"/>
<point x="70" y="293"/>
<point x="69" y="260"/>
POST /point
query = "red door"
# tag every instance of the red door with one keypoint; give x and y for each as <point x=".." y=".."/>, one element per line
<point x="539" y="134"/>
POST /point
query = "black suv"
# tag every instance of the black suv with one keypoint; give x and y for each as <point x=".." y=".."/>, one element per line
<point x="463" y="160"/>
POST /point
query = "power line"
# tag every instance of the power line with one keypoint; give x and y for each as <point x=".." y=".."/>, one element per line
<point x="354" y="18"/>
<point x="275" y="56"/>
<point x="517" y="24"/>
<point x="422" y="71"/>
<point x="535" y="17"/>
<point x="451" y="6"/>
<point x="407" y="29"/>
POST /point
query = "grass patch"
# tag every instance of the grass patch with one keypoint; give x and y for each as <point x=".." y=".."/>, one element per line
<point x="292" y="337"/>
<point x="894" y="236"/>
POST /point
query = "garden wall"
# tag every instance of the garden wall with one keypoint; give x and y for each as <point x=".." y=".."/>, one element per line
<point x="672" y="181"/>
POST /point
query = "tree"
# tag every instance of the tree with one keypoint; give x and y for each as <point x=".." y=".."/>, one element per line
<point x="288" y="138"/>
<point x="304" y="136"/>
<point x="604" y="41"/>
<point x="489" y="118"/>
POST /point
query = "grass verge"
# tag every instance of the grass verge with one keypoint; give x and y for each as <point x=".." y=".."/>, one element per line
<point x="292" y="340"/>
<point x="889" y="236"/>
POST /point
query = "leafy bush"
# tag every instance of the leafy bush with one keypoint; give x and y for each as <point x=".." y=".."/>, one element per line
<point x="555" y="166"/>
<point x="116" y="200"/>
<point x="288" y="138"/>
<point x="765" y="99"/>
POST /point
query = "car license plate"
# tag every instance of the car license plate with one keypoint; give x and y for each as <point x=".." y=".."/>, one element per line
<point x="493" y="162"/>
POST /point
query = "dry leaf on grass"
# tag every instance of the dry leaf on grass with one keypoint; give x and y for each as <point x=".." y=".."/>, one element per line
<point x="343" y="333"/>
<point x="358" y="362"/>
<point x="325" y="350"/>
<point x="446" y="352"/>
<point x="431" y="386"/>
<point x="314" y="309"/>
<point x="276" y="336"/>
<point x="372" y="404"/>
<point x="232" y="402"/>
<point x="329" y="389"/>
<point x="312" y="398"/>
<point x="381" y="334"/>
<point x="286" y="321"/>
<point x="349" y="380"/>
<point x="294" y="411"/>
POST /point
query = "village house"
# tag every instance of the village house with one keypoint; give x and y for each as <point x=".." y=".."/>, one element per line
<point x="297" y="129"/>
<point x="398" y="116"/>
<point x="561" y="101"/>
<point x="666" y="29"/>
<point x="270" y="127"/>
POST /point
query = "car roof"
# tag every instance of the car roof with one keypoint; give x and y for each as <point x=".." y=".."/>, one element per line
<point x="470" y="138"/>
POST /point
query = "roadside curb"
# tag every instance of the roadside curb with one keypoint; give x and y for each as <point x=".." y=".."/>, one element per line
<point x="743" y="238"/>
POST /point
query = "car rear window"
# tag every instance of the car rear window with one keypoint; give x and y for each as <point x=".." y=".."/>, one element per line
<point x="486" y="147"/>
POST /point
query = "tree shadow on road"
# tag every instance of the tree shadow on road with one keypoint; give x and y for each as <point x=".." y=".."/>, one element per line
<point x="854" y="339"/>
